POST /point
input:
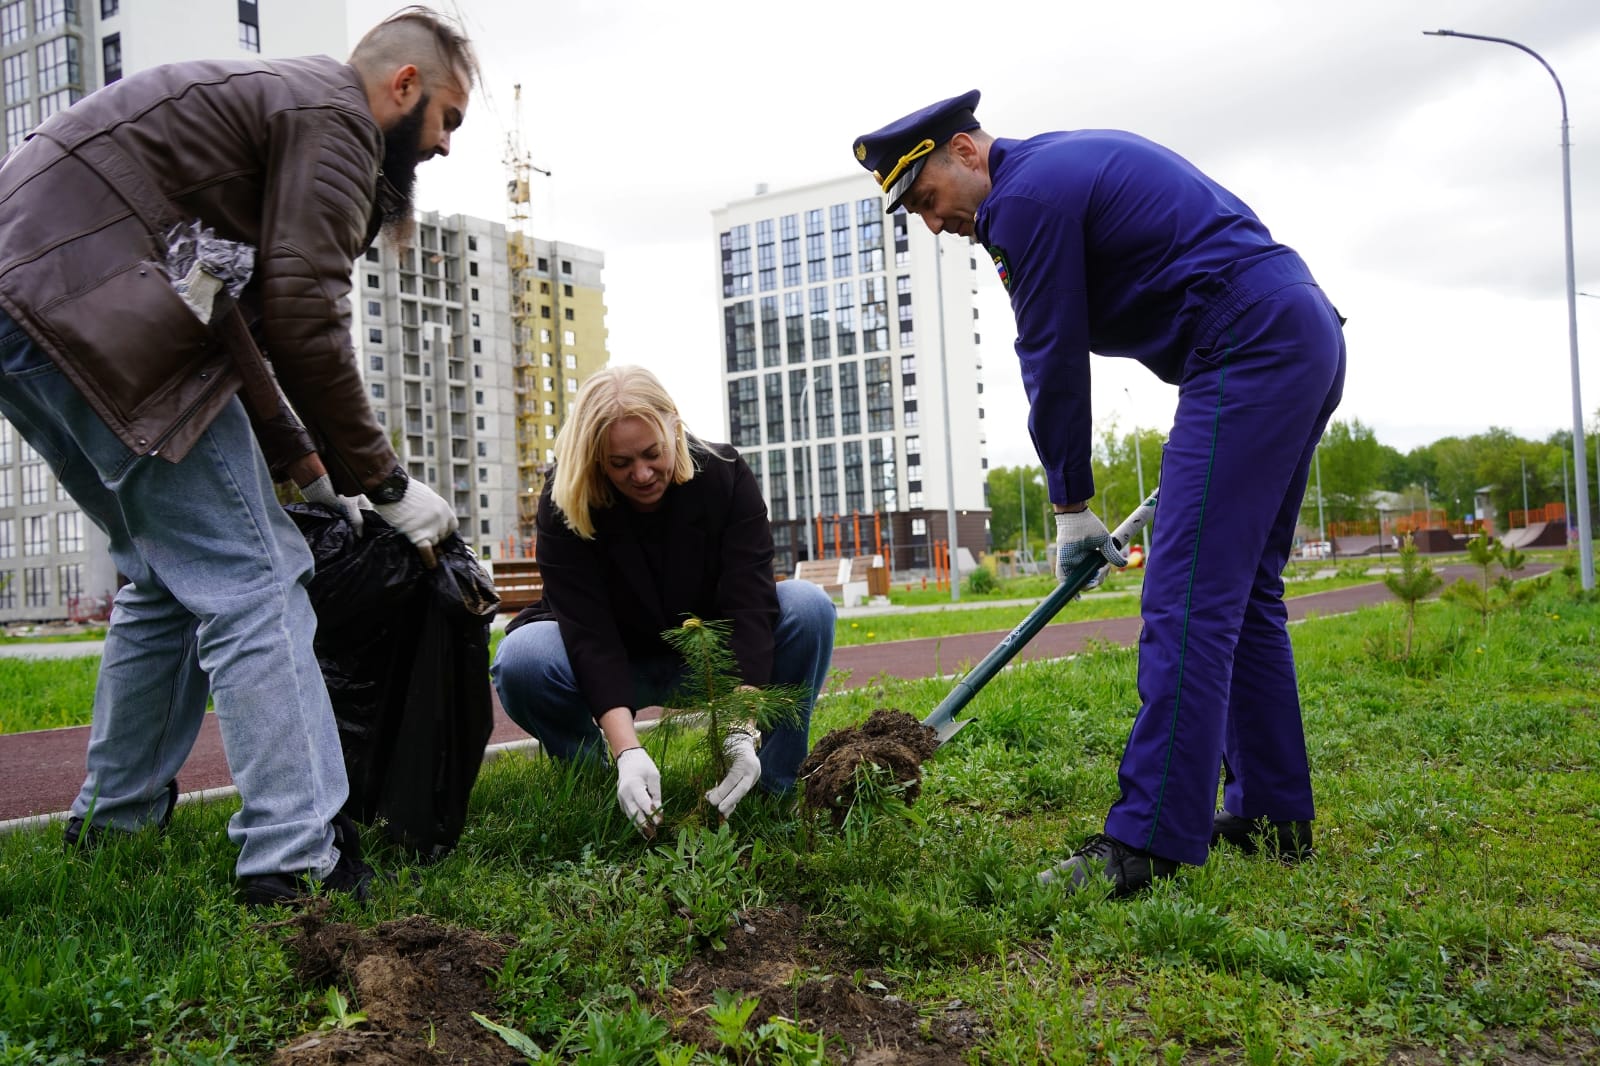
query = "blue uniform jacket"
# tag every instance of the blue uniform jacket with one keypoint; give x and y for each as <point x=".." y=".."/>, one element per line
<point x="1110" y="243"/>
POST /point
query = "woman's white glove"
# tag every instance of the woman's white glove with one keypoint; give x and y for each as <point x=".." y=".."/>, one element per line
<point x="1080" y="534"/>
<point x="744" y="771"/>
<point x="321" y="491"/>
<point x="639" y="789"/>
<point x="422" y="517"/>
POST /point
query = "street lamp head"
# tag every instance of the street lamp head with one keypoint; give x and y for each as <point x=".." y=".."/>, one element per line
<point x="1439" y="33"/>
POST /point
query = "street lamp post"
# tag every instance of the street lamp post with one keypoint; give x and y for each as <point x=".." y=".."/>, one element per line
<point x="1580" y="465"/>
<point x="810" y="472"/>
<point x="1022" y="510"/>
<point x="949" y="447"/>
<point x="1138" y="465"/>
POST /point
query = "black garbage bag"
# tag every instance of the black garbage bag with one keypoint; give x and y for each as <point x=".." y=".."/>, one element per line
<point x="405" y="654"/>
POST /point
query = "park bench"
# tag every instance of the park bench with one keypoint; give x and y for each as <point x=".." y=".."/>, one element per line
<point x="518" y="583"/>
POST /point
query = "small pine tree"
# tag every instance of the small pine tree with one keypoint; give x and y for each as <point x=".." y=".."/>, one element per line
<point x="1414" y="583"/>
<point x="713" y="689"/>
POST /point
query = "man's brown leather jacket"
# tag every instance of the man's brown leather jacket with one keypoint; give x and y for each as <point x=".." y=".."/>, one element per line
<point x="282" y="155"/>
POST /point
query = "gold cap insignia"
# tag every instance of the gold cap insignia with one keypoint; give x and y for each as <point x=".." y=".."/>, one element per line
<point x="861" y="151"/>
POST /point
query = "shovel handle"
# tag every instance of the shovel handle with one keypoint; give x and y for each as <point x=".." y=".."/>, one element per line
<point x="942" y="720"/>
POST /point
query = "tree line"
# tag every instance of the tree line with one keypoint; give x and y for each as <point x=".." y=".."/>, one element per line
<point x="1352" y="465"/>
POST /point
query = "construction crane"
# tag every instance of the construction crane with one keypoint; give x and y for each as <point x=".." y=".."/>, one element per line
<point x="531" y="467"/>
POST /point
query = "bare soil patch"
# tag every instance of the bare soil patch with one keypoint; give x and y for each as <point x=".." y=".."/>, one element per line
<point x="416" y="981"/>
<point x="770" y="956"/>
<point x="889" y="738"/>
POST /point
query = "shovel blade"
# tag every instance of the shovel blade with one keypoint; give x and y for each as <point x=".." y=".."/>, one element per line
<point x="949" y="728"/>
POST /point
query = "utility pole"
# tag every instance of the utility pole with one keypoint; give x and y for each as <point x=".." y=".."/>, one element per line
<point x="1524" y="462"/>
<point x="1022" y="510"/>
<point x="949" y="448"/>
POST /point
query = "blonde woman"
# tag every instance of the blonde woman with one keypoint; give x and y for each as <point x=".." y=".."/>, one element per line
<point x="640" y="525"/>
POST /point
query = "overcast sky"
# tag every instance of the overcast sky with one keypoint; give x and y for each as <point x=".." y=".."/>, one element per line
<point x="1420" y="177"/>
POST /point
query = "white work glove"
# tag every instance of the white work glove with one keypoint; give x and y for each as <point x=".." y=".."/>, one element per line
<point x="1080" y="534"/>
<point x="743" y="772"/>
<point x="321" y="491"/>
<point x="639" y="789"/>
<point x="422" y="517"/>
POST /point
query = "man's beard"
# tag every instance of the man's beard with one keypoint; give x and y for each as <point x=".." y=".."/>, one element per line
<point x="401" y="154"/>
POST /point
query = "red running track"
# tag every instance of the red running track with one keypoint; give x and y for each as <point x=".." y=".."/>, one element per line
<point x="43" y="770"/>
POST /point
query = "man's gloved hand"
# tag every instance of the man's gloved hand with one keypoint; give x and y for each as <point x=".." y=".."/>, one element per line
<point x="321" y="491"/>
<point x="743" y="772"/>
<point x="639" y="789"/>
<point x="422" y="517"/>
<point x="1080" y="534"/>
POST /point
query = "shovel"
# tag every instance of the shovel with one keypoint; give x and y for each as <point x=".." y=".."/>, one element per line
<point x="943" y="719"/>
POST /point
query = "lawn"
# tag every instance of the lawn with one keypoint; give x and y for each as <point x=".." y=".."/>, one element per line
<point x="1450" y="914"/>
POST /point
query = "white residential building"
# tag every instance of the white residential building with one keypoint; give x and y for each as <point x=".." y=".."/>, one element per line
<point x="851" y="371"/>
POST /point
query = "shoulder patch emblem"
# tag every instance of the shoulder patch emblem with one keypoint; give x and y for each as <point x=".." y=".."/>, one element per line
<point x="1002" y="267"/>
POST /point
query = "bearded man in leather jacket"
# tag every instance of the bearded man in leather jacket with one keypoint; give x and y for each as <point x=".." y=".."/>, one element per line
<point x="147" y="390"/>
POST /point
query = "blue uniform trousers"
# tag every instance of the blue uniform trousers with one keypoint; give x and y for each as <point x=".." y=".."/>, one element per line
<point x="1216" y="671"/>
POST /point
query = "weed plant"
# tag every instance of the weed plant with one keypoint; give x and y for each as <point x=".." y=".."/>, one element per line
<point x="1450" y="913"/>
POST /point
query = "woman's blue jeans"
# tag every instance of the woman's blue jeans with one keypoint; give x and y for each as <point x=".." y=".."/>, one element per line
<point x="540" y="693"/>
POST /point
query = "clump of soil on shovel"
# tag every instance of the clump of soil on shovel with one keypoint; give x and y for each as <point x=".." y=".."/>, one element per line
<point x="889" y="738"/>
<point x="416" y="981"/>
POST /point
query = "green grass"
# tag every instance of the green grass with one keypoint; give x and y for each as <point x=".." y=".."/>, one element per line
<point x="46" y="693"/>
<point x="1450" y="913"/>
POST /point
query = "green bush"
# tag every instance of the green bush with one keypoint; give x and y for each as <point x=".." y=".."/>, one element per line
<point x="982" y="581"/>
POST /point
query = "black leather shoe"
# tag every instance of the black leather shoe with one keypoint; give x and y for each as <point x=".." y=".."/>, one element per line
<point x="1128" y="870"/>
<point x="350" y="875"/>
<point x="1287" y="841"/>
<point x="78" y="834"/>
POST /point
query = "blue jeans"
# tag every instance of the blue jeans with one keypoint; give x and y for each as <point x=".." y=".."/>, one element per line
<point x="540" y="693"/>
<point x="215" y="602"/>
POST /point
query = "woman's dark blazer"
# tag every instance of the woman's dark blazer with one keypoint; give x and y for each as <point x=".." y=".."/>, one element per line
<point x="612" y="607"/>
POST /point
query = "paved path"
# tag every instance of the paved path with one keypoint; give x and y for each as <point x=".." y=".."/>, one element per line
<point x="40" y="771"/>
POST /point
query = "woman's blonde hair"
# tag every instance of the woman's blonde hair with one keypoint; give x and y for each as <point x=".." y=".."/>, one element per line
<point x="615" y="393"/>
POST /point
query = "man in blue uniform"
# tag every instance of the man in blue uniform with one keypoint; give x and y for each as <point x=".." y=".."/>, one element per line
<point x="1109" y="243"/>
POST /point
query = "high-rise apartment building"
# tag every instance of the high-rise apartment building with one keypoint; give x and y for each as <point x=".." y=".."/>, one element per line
<point x="851" y="370"/>
<point x="53" y="560"/>
<point x="558" y="320"/>
<point x="432" y="330"/>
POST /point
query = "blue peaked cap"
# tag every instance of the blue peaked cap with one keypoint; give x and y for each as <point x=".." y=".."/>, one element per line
<point x="895" y="154"/>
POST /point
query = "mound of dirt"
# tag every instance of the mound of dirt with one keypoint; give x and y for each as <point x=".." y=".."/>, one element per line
<point x="416" y="981"/>
<point x="768" y="956"/>
<point x="889" y="738"/>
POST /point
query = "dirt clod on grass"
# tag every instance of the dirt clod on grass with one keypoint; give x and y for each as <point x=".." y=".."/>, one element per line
<point x="770" y="956"/>
<point x="891" y="739"/>
<point x="416" y="981"/>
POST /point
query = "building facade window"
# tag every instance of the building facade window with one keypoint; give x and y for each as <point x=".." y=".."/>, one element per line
<point x="35" y="535"/>
<point x="111" y="57"/>
<point x="59" y="66"/>
<point x="69" y="531"/>
<point x="8" y="589"/>
<point x="249" y="36"/>
<point x="36" y="587"/>
<point x="13" y="22"/>
<point x="48" y="14"/>
<point x="8" y="538"/>
<point x="16" y="77"/>
<point x="19" y="120"/>
<point x="69" y="583"/>
<point x="35" y="486"/>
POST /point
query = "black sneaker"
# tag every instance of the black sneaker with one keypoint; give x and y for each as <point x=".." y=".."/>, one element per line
<point x="350" y="875"/>
<point x="1286" y="841"/>
<point x="1128" y="870"/>
<point x="79" y="834"/>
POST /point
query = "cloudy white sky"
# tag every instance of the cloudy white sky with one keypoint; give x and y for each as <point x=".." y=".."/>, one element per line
<point x="1419" y="176"/>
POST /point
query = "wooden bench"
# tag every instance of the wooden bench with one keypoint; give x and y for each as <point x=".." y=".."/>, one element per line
<point x="518" y="583"/>
<point x="835" y="576"/>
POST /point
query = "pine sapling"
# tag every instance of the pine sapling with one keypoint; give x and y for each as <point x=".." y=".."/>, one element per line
<point x="1414" y="583"/>
<point x="712" y="688"/>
